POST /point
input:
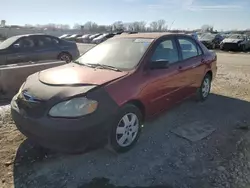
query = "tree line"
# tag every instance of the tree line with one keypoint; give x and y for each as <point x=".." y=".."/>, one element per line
<point x="139" y="26"/>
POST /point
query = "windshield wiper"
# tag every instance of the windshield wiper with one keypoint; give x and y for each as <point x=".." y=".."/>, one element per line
<point x="84" y="64"/>
<point x="105" y="67"/>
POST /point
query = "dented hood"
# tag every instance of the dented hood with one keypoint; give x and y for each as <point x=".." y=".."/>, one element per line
<point x="74" y="74"/>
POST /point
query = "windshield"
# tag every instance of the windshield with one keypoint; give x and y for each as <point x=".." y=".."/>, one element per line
<point x="236" y="36"/>
<point x="208" y="36"/>
<point x="123" y="53"/>
<point x="7" y="42"/>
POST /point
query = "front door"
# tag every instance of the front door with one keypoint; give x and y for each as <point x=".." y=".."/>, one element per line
<point x="162" y="84"/>
<point x="21" y="51"/>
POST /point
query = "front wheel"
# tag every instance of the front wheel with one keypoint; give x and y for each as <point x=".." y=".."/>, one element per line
<point x="204" y="90"/>
<point x="244" y="49"/>
<point x="65" y="57"/>
<point x="126" y="128"/>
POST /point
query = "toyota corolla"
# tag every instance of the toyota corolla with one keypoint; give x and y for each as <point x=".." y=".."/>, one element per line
<point x="108" y="92"/>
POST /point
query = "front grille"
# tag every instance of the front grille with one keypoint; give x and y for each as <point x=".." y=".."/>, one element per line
<point x="34" y="110"/>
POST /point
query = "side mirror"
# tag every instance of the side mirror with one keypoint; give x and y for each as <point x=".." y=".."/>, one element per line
<point x="159" y="64"/>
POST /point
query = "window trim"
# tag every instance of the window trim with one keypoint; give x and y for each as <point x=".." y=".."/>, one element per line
<point x="193" y="41"/>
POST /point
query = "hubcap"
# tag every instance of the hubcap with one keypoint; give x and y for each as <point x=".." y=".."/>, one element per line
<point x="206" y="87"/>
<point x="127" y="129"/>
<point x="65" y="58"/>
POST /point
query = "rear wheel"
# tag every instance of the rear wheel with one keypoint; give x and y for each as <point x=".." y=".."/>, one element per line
<point x="204" y="90"/>
<point x="126" y="128"/>
<point x="65" y="57"/>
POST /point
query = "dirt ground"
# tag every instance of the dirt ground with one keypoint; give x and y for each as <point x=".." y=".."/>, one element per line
<point x="161" y="158"/>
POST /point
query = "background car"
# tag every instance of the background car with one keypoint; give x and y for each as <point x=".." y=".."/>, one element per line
<point x="211" y="41"/>
<point x="110" y="96"/>
<point x="73" y="37"/>
<point x="236" y="42"/>
<point x="82" y="38"/>
<point x="36" y="47"/>
<point x="93" y="36"/>
<point x="64" y="36"/>
<point x="102" y="38"/>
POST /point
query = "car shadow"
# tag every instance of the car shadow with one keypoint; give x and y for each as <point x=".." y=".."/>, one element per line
<point x="219" y="111"/>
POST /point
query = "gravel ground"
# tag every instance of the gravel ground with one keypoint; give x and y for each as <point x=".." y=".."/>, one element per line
<point x="160" y="159"/>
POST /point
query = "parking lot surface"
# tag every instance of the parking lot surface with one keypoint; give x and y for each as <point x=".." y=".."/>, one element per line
<point x="161" y="157"/>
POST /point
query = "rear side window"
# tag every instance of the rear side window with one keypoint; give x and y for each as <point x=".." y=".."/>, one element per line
<point x="166" y="50"/>
<point x="188" y="48"/>
<point x="46" y="41"/>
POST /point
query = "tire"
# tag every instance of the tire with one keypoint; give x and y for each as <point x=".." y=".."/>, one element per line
<point x="65" y="57"/>
<point x="125" y="133"/>
<point x="243" y="47"/>
<point x="213" y="46"/>
<point x="204" y="90"/>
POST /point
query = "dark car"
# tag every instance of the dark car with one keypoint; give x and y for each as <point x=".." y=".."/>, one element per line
<point x="73" y="37"/>
<point x="211" y="41"/>
<point x="102" y="38"/>
<point x="107" y="93"/>
<point x="36" y="47"/>
<point x="236" y="42"/>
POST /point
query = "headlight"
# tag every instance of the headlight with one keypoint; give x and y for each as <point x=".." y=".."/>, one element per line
<point x="75" y="107"/>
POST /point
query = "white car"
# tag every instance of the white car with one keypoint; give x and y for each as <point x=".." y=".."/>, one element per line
<point x="236" y="42"/>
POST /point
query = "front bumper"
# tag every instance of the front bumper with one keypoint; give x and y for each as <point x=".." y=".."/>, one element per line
<point x="230" y="46"/>
<point x="63" y="134"/>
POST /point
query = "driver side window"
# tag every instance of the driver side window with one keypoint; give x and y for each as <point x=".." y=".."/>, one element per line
<point x="166" y="51"/>
<point x="25" y="43"/>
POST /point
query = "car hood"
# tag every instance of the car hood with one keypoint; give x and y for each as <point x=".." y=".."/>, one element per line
<point x="74" y="74"/>
<point x="206" y="40"/>
<point x="228" y="40"/>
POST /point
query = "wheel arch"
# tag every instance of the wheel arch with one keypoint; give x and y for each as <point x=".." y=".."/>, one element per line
<point x="139" y="105"/>
<point x="210" y="73"/>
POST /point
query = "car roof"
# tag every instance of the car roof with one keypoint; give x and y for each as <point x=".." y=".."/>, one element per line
<point x="149" y="35"/>
<point x="27" y="35"/>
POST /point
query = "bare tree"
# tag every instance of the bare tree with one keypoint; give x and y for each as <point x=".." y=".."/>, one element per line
<point x="154" y="26"/>
<point x="161" y="25"/>
<point x="207" y="28"/>
<point x="118" y="25"/>
<point x="77" y="26"/>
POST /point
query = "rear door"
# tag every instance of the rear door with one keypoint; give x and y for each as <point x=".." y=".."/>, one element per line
<point x="46" y="47"/>
<point x="22" y="51"/>
<point x="191" y="66"/>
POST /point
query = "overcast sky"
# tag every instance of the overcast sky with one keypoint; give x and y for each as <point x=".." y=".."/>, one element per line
<point x="222" y="14"/>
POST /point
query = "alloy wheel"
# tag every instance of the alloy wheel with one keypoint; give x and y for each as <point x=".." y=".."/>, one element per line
<point x="206" y="87"/>
<point x="127" y="129"/>
<point x="65" y="57"/>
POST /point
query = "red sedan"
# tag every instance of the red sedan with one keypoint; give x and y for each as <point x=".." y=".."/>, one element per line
<point x="109" y="92"/>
